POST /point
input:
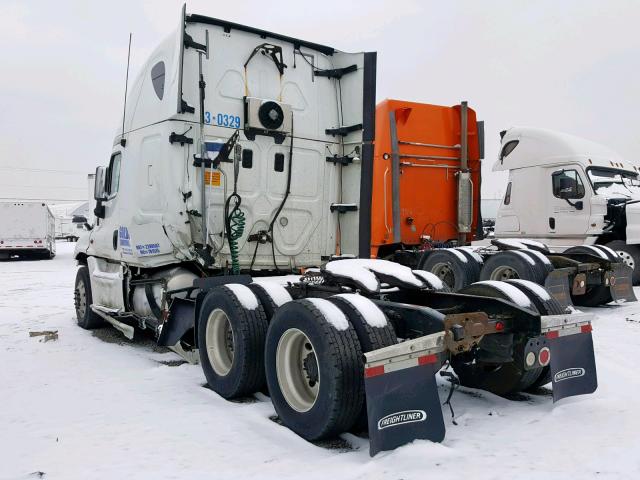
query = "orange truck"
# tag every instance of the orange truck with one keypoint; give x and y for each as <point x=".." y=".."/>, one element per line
<point x="426" y="198"/>
<point x="426" y="176"/>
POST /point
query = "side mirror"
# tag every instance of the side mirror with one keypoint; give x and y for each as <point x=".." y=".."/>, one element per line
<point x="99" y="188"/>
<point x="99" y="191"/>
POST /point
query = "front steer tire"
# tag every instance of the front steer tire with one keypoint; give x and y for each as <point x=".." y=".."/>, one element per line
<point x="231" y="343"/>
<point x="83" y="300"/>
<point x="304" y="344"/>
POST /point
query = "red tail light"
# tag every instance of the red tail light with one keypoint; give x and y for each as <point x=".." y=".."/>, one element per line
<point x="544" y="356"/>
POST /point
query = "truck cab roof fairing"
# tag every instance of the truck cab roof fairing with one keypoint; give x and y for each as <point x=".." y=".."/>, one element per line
<point x="538" y="146"/>
<point x="193" y="18"/>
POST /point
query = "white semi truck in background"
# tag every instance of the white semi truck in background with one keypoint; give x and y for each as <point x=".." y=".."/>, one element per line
<point x="569" y="193"/>
<point x="27" y="230"/>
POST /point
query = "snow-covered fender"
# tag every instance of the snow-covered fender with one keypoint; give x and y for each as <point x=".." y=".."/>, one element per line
<point x="204" y="285"/>
<point x="569" y="354"/>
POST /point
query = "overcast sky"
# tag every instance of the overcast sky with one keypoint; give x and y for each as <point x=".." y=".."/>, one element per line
<point x="566" y="65"/>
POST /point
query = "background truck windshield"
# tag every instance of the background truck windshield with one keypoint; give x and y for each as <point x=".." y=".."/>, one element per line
<point x="614" y="183"/>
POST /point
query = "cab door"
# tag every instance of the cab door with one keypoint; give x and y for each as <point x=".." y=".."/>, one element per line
<point x="106" y="234"/>
<point x="568" y="208"/>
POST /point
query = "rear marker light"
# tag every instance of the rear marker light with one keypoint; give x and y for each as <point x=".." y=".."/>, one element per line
<point x="373" y="371"/>
<point x="499" y="326"/>
<point x="427" y="359"/>
<point x="530" y="359"/>
<point x="544" y="356"/>
<point x="553" y="334"/>
<point x="586" y="328"/>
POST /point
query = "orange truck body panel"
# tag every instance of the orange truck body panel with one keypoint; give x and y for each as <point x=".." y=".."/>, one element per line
<point x="428" y="187"/>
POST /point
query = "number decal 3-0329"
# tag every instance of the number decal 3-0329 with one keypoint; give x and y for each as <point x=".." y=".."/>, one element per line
<point x="222" y="120"/>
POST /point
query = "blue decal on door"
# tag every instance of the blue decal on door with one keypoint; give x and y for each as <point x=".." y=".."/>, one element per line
<point x="124" y="240"/>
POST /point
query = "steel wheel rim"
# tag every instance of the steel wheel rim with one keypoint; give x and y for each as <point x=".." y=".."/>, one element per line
<point x="81" y="300"/>
<point x="504" y="273"/>
<point x="627" y="259"/>
<point x="299" y="389"/>
<point x="220" y="342"/>
<point x="444" y="272"/>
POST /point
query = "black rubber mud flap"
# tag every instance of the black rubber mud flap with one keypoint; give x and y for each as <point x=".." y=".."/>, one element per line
<point x="573" y="364"/>
<point x="403" y="406"/>
<point x="559" y="286"/>
<point x="621" y="283"/>
<point x="181" y="319"/>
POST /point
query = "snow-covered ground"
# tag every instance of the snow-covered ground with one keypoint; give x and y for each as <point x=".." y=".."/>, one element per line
<point x="94" y="406"/>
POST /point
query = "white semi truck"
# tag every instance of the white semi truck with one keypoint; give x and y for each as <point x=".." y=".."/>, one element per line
<point x="566" y="191"/>
<point x="569" y="220"/>
<point x="244" y="152"/>
<point x="27" y="230"/>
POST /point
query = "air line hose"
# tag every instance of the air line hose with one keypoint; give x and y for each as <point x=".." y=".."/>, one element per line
<point x="234" y="220"/>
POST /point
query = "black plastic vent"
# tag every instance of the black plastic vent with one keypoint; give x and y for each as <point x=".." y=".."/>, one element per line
<point x="278" y="164"/>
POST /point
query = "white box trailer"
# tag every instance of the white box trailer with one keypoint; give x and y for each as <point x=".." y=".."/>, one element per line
<point x="27" y="229"/>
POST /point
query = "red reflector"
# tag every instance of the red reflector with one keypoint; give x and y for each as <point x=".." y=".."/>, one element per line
<point x="499" y="326"/>
<point x="373" y="371"/>
<point x="427" y="359"/>
<point x="544" y="357"/>
<point x="553" y="334"/>
<point x="586" y="328"/>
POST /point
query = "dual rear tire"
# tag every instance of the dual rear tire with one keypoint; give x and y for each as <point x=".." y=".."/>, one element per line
<point x="308" y="352"/>
<point x="455" y="267"/>
<point x="516" y="264"/>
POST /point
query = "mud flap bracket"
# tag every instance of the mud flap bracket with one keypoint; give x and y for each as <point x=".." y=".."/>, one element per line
<point x="181" y="318"/>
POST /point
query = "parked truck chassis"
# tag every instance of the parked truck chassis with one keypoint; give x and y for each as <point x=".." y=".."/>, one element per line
<point x="582" y="275"/>
<point x="359" y="343"/>
<point x="193" y="193"/>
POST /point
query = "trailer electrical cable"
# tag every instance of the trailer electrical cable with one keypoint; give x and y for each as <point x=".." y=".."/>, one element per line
<point x="234" y="220"/>
<point x="286" y="195"/>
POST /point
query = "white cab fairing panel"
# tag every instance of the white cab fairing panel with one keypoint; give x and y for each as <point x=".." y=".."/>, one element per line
<point x="633" y="223"/>
<point x="106" y="283"/>
<point x="155" y="218"/>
